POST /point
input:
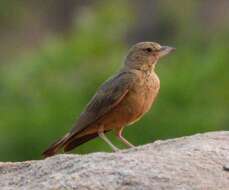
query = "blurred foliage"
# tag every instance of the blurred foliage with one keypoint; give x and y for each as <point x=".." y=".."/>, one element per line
<point x="43" y="92"/>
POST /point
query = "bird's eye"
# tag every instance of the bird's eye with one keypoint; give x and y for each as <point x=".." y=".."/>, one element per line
<point x="148" y="50"/>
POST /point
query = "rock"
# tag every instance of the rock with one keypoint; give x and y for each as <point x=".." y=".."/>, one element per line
<point x="196" y="162"/>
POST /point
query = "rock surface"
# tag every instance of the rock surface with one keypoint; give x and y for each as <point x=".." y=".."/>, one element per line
<point x="197" y="162"/>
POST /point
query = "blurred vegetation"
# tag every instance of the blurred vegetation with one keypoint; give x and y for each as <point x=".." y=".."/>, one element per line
<point x="43" y="91"/>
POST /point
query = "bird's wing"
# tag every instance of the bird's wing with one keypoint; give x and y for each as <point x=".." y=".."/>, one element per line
<point x="110" y="94"/>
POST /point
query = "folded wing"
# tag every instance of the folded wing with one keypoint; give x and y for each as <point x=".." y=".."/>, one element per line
<point x="110" y="94"/>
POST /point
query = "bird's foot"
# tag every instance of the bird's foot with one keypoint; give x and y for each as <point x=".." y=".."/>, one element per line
<point x="115" y="149"/>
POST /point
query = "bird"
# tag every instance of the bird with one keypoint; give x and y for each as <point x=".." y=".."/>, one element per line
<point x="120" y="101"/>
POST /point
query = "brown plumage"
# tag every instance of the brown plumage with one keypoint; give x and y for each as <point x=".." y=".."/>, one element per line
<point x="120" y="101"/>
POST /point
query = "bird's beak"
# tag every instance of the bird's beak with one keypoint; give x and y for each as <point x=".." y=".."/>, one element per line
<point x="165" y="50"/>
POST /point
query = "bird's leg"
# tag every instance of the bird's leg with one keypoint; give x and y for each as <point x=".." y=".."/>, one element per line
<point x="119" y="135"/>
<point x="103" y="136"/>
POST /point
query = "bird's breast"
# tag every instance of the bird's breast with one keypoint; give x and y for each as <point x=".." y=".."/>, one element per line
<point x="152" y="86"/>
<point x="141" y="97"/>
<point x="137" y="102"/>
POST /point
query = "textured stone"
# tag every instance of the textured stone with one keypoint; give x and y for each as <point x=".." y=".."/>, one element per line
<point x="196" y="162"/>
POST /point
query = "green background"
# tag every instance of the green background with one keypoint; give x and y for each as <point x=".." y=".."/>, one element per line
<point x="50" y="69"/>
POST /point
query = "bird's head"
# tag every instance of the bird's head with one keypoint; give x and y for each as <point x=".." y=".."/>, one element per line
<point x="144" y="55"/>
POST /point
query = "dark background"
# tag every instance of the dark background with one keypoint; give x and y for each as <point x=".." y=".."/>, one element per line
<point x="54" y="54"/>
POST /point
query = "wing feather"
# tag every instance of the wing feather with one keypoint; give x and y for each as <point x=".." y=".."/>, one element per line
<point x="110" y="94"/>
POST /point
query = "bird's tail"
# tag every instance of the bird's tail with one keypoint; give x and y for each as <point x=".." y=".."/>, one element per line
<point x="56" y="146"/>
